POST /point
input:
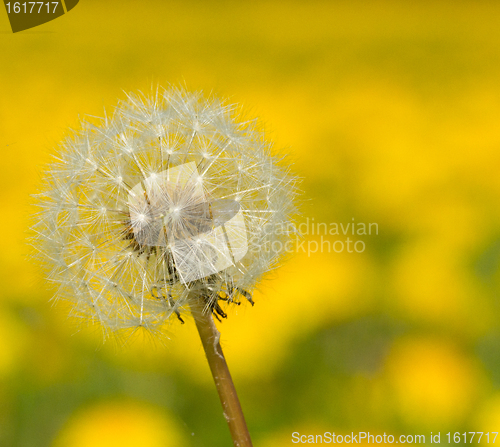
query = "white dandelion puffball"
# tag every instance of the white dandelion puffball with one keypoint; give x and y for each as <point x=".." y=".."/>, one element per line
<point x="171" y="199"/>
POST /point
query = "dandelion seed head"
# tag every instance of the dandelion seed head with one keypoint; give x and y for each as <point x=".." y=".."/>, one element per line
<point x="173" y="194"/>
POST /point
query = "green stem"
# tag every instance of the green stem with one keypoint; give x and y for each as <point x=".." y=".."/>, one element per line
<point x="227" y="392"/>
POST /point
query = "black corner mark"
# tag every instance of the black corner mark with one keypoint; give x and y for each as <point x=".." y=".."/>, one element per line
<point x="70" y="4"/>
<point x="28" y="14"/>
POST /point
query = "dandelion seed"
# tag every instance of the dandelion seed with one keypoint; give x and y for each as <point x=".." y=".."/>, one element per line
<point x="152" y="209"/>
<point x="165" y="209"/>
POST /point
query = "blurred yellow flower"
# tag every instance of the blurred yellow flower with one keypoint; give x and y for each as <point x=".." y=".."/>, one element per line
<point x="432" y="383"/>
<point x="488" y="418"/>
<point x="120" y="424"/>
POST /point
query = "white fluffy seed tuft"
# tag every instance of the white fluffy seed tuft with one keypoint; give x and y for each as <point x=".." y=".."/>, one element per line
<point x="172" y="199"/>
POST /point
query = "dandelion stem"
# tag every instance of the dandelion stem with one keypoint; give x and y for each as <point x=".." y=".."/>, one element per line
<point x="227" y="392"/>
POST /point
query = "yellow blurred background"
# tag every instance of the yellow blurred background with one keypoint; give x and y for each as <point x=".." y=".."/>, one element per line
<point x="390" y="111"/>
